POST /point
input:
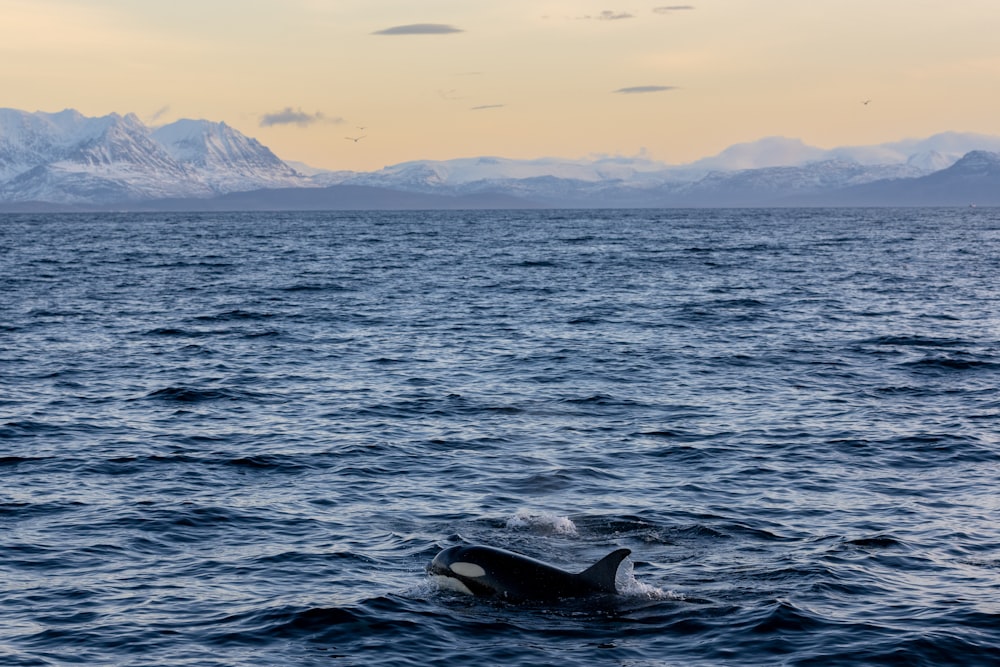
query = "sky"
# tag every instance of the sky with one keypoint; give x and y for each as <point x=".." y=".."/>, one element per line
<point x="669" y="80"/>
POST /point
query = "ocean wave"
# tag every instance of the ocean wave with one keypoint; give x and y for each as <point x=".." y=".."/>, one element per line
<point x="952" y="363"/>
<point x="183" y="394"/>
<point x="215" y="461"/>
<point x="915" y="341"/>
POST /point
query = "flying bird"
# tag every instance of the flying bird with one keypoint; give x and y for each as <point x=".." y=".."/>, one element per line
<point x="865" y="102"/>
<point x="356" y="139"/>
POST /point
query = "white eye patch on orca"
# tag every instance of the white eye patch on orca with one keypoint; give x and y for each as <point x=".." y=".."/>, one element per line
<point x="470" y="570"/>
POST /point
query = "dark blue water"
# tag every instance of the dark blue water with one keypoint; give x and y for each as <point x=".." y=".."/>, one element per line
<point x="237" y="439"/>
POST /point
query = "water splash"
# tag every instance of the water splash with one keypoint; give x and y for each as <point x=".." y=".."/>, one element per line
<point x="630" y="587"/>
<point x="544" y="523"/>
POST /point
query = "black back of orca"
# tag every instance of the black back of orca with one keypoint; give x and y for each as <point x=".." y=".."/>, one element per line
<point x="488" y="571"/>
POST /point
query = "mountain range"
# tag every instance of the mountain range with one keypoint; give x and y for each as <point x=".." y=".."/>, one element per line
<point x="67" y="161"/>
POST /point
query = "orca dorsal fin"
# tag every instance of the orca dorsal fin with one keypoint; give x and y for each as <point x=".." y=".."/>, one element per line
<point x="602" y="574"/>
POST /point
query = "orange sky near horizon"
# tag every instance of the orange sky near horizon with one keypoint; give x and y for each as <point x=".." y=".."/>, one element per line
<point x="438" y="79"/>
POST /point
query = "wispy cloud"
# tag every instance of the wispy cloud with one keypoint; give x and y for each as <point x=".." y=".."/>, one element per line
<point x="451" y="95"/>
<point x="608" y="15"/>
<point x="483" y="107"/>
<point x="666" y="9"/>
<point x="633" y="90"/>
<point x="290" y="116"/>
<point x="159" y="113"/>
<point x="419" y="29"/>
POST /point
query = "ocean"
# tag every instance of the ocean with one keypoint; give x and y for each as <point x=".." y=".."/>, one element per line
<point x="239" y="438"/>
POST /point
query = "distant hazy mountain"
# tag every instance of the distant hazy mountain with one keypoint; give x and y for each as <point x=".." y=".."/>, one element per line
<point x="974" y="180"/>
<point x="66" y="160"/>
<point x="762" y="154"/>
<point x="930" y="154"/>
<point x="463" y="171"/>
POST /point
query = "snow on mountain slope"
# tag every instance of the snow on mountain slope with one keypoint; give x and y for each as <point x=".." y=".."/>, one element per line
<point x="761" y="154"/>
<point x="973" y="180"/>
<point x="69" y="158"/>
<point x="933" y="153"/>
<point x="80" y="160"/>
<point x="481" y="173"/>
<point x="771" y="185"/>
<point x="224" y="159"/>
<point x="466" y="170"/>
<point x="900" y="159"/>
<point x="30" y="139"/>
<point x="66" y="157"/>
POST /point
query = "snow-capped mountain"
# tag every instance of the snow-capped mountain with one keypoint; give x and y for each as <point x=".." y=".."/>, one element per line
<point x="463" y="171"/>
<point x="858" y="164"/>
<point x="78" y="160"/>
<point x="771" y="171"/>
<point x="69" y="158"/>
<point x="777" y="185"/>
<point x="116" y="161"/>
<point x="762" y="154"/>
<point x="623" y="181"/>
<point x="973" y="180"/>
<point x="224" y="159"/>
<point x="27" y="140"/>
<point x="931" y="154"/>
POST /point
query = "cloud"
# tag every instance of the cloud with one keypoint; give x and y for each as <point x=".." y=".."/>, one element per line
<point x="488" y="106"/>
<point x="451" y="95"/>
<point x="608" y="15"/>
<point x="632" y="90"/>
<point x="671" y="8"/>
<point x="159" y="113"/>
<point x="290" y="116"/>
<point x="419" y="29"/>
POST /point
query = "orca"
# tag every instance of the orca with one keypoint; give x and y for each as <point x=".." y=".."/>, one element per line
<point x="491" y="572"/>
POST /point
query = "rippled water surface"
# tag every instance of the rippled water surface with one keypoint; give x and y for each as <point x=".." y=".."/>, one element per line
<point x="238" y="439"/>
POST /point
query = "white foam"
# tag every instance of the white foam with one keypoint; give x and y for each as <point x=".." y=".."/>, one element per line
<point x="542" y="522"/>
<point x="630" y="587"/>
